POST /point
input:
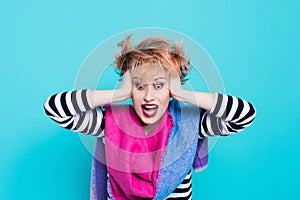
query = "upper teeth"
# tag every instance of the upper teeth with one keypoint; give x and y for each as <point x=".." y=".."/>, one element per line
<point x="150" y="107"/>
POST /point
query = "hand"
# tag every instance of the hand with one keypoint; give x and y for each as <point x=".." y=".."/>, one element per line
<point x="102" y="97"/>
<point x="200" y="99"/>
<point x="126" y="86"/>
<point x="175" y="87"/>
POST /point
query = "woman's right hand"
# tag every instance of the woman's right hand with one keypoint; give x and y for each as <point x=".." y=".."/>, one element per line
<point x="125" y="89"/>
<point x="102" y="97"/>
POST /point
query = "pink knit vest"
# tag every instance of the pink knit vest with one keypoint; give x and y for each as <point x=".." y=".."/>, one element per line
<point x="133" y="158"/>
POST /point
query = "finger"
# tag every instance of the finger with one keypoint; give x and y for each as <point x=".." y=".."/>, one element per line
<point x="127" y="77"/>
<point x="127" y="74"/>
<point x="173" y="73"/>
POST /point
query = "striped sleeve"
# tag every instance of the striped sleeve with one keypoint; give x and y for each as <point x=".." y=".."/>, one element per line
<point x="184" y="190"/>
<point x="72" y="110"/>
<point x="229" y="115"/>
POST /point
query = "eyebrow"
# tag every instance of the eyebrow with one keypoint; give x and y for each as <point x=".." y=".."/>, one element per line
<point x="159" y="78"/>
<point x="154" y="79"/>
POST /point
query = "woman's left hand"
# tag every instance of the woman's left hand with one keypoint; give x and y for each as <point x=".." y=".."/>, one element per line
<point x="175" y="87"/>
<point x="201" y="99"/>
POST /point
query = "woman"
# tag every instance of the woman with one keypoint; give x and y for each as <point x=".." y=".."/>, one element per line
<point x="146" y="150"/>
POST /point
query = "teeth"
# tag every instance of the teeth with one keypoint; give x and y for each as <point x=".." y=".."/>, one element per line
<point x="146" y="107"/>
<point x="150" y="107"/>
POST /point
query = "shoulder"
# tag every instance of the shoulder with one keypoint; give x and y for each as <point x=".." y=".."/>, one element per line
<point x="184" y="111"/>
<point x="177" y="106"/>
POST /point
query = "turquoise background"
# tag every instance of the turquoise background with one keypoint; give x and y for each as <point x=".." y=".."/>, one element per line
<point x="255" y="45"/>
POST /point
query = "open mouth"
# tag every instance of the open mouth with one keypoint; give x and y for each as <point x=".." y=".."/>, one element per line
<point x="149" y="110"/>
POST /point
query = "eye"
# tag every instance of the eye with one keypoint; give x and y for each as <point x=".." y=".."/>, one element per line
<point x="159" y="85"/>
<point x="139" y="86"/>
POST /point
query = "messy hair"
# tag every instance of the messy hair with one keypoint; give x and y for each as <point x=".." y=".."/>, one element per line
<point x="152" y="50"/>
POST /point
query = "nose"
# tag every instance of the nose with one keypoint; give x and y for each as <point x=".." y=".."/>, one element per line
<point x="148" y="96"/>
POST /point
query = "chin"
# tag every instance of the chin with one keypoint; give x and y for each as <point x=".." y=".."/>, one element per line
<point x="151" y="120"/>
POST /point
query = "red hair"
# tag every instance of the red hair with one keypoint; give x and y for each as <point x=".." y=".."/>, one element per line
<point x="152" y="50"/>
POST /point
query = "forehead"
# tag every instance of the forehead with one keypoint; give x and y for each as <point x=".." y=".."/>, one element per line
<point x="149" y="71"/>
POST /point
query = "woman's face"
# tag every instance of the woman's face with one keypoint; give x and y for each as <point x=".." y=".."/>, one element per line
<point x="150" y="92"/>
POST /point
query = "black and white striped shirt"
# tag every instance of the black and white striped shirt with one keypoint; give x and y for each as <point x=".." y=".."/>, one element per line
<point x="73" y="110"/>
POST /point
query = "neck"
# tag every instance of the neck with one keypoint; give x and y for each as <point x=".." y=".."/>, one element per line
<point x="150" y="127"/>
